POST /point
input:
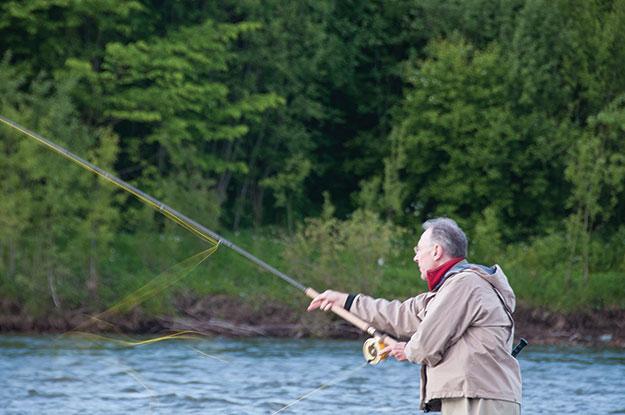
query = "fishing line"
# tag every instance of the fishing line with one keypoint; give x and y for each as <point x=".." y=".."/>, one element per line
<point x="175" y="216"/>
<point x="164" y="280"/>
<point x="323" y="386"/>
<point x="208" y="355"/>
<point x="183" y="334"/>
<point x="137" y="378"/>
<point x="381" y="339"/>
<point x="182" y="220"/>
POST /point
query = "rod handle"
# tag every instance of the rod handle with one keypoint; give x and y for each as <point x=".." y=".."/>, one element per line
<point x="355" y="320"/>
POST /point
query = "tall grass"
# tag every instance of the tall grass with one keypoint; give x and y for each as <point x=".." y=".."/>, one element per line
<point x="360" y="254"/>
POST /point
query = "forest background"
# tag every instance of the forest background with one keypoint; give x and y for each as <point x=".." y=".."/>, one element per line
<point x="318" y="135"/>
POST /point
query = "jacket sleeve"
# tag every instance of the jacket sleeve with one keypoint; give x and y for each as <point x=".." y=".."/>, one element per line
<point x="397" y="318"/>
<point x="449" y="314"/>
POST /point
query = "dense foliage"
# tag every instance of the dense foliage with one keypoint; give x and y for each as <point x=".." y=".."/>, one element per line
<point x="507" y="115"/>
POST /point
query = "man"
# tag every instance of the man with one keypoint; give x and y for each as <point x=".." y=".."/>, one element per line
<point x="460" y="331"/>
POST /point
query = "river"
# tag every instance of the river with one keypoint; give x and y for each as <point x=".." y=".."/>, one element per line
<point x="52" y="375"/>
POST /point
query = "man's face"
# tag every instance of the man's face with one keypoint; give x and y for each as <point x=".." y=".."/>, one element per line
<point x="425" y="254"/>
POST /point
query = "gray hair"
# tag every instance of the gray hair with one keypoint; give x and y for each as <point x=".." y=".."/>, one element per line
<point x="448" y="234"/>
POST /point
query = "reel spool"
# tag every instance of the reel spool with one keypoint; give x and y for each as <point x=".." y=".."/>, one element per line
<point x="372" y="350"/>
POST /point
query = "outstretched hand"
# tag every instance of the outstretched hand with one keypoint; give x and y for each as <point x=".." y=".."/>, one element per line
<point x="327" y="299"/>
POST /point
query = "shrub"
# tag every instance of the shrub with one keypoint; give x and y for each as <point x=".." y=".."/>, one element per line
<point x="347" y="255"/>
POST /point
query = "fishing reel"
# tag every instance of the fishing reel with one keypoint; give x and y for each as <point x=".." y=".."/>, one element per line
<point x="372" y="350"/>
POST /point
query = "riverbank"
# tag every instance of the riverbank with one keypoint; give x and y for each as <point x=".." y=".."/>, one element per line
<point x="229" y="316"/>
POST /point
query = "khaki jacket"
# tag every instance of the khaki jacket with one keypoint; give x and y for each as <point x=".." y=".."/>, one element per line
<point x="461" y="334"/>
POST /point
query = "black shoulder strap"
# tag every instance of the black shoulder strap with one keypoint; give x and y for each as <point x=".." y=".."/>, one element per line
<point x="506" y="309"/>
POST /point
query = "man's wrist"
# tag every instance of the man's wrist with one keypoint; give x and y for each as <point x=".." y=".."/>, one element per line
<point x="349" y="300"/>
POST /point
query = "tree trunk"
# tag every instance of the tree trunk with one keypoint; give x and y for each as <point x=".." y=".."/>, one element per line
<point x="238" y="210"/>
<point x="55" y="297"/>
<point x="224" y="180"/>
<point x="93" y="280"/>
<point x="289" y="216"/>
<point x="257" y="205"/>
<point x="222" y="186"/>
<point x="240" y="204"/>
<point x="586" y="248"/>
<point x="12" y="260"/>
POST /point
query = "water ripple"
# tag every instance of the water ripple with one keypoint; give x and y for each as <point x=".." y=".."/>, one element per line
<point x="47" y="374"/>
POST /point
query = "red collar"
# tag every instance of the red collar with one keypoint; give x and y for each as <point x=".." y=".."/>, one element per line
<point x="435" y="275"/>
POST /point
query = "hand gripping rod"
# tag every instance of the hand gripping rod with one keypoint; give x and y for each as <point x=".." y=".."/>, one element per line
<point x="196" y="228"/>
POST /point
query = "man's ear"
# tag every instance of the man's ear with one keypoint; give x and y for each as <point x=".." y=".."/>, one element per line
<point x="437" y="252"/>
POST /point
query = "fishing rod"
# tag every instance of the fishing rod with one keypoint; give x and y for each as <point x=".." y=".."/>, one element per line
<point x="372" y="347"/>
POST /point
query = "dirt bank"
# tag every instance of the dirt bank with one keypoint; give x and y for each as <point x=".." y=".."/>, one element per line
<point x="230" y="316"/>
<point x="596" y="327"/>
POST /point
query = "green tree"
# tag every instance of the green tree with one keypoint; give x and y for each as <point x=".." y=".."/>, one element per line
<point x="596" y="170"/>
<point x="55" y="212"/>
<point x="464" y="149"/>
<point x="287" y="185"/>
<point x="44" y="33"/>
<point x="283" y="56"/>
<point x="554" y="58"/>
<point x="480" y="22"/>
<point x="360" y="82"/>
<point x="170" y="99"/>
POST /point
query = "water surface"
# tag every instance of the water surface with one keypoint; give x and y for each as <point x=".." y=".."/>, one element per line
<point x="47" y="374"/>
